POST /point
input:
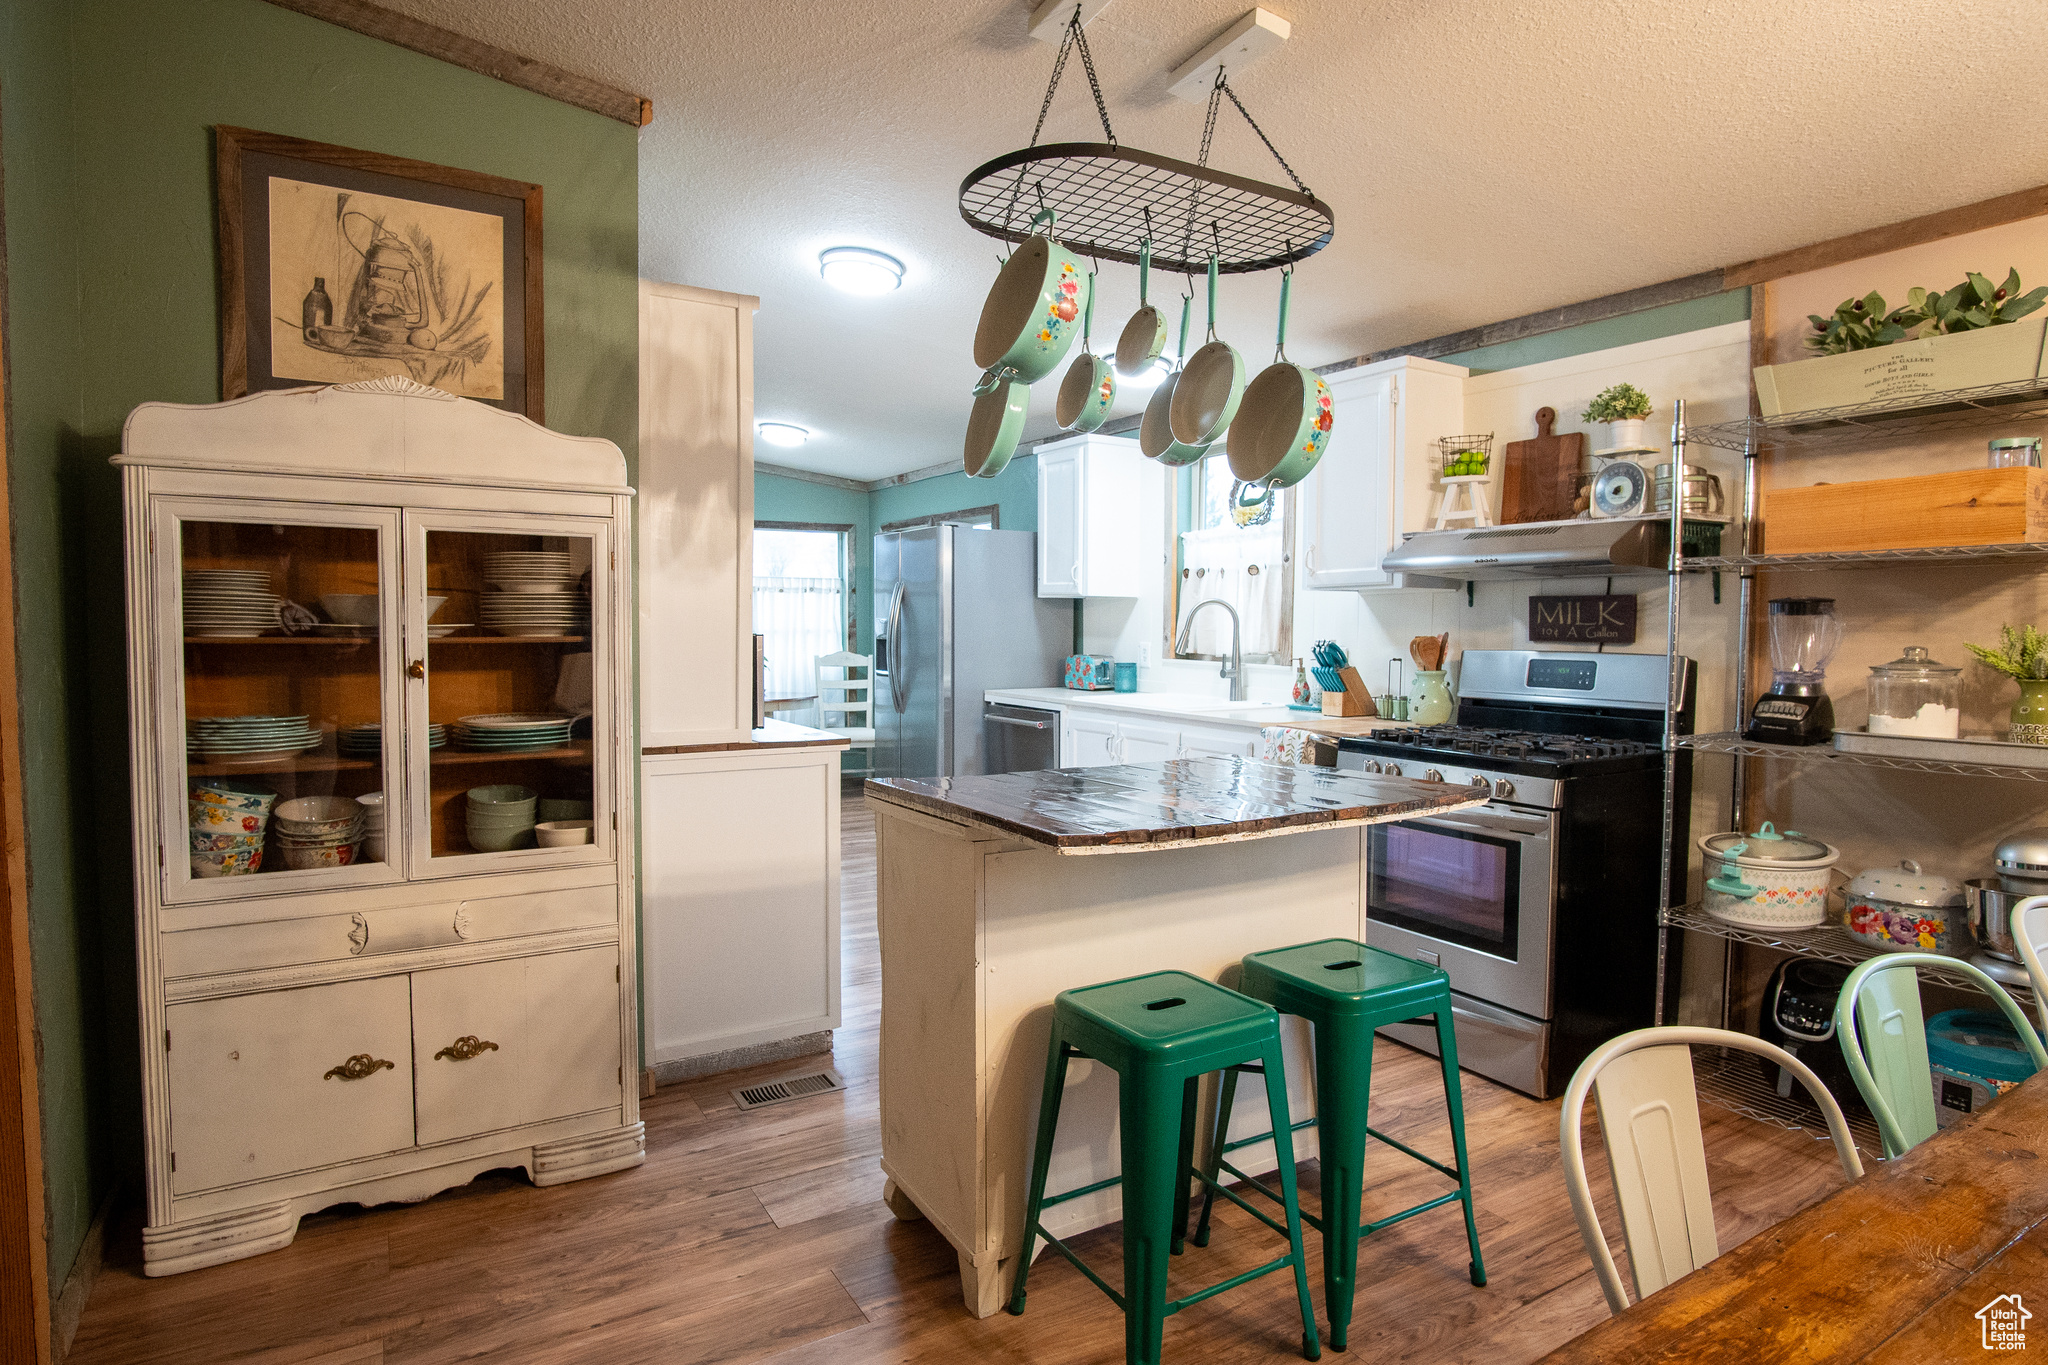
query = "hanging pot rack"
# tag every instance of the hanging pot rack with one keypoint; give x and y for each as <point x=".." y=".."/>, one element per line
<point x="1107" y="198"/>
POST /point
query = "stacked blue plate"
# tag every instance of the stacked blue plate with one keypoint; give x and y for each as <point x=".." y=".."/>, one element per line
<point x="367" y="739"/>
<point x="250" y="739"/>
<point x="513" y="732"/>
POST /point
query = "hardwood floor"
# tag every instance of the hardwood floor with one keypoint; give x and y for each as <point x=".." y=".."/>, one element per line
<point x="760" y="1236"/>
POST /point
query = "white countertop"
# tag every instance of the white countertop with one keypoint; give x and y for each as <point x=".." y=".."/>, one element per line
<point x="1190" y="706"/>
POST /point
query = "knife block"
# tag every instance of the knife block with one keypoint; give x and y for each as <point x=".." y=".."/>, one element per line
<point x="1354" y="700"/>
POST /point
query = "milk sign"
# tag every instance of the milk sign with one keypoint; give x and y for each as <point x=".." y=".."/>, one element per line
<point x="1604" y="620"/>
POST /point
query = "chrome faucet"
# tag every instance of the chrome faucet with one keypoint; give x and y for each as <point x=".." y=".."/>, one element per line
<point x="1233" y="667"/>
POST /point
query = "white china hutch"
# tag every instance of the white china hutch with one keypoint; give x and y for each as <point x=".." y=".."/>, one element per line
<point x="392" y="1026"/>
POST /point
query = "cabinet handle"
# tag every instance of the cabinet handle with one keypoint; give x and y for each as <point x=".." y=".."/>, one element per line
<point x="416" y="669"/>
<point x="358" y="1067"/>
<point x="464" y="1048"/>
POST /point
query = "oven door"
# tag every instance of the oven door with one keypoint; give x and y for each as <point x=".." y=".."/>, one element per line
<point x="1470" y="891"/>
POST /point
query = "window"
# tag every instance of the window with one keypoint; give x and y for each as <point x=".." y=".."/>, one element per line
<point x="1233" y="548"/>
<point x="801" y="602"/>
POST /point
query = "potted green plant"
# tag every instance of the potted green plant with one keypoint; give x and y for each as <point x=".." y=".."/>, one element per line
<point x="1938" y="340"/>
<point x="1626" y="410"/>
<point x="2022" y="655"/>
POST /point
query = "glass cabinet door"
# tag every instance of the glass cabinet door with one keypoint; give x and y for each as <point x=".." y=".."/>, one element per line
<point x="509" y="689"/>
<point x="277" y="683"/>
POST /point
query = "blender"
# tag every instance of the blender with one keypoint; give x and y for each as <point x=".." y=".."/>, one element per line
<point x="1804" y="636"/>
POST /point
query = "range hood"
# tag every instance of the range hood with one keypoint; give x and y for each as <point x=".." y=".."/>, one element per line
<point x="1545" y="549"/>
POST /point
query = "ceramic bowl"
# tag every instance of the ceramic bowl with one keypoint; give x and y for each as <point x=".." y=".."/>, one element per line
<point x="507" y="794"/>
<point x="360" y="608"/>
<point x="311" y="817"/>
<point x="1282" y="426"/>
<point x="562" y="833"/>
<point x="237" y="862"/>
<point x="225" y="843"/>
<point x="231" y="795"/>
<point x="302" y="857"/>
<point x="1030" y="317"/>
<point x="210" y="819"/>
<point x="499" y="840"/>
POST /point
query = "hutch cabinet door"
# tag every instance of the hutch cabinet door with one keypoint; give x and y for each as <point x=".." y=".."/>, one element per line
<point x="511" y="715"/>
<point x="274" y="633"/>
<point x="500" y="1044"/>
<point x="288" y="1080"/>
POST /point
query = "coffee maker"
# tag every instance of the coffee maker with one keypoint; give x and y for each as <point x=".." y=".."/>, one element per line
<point x="1804" y="635"/>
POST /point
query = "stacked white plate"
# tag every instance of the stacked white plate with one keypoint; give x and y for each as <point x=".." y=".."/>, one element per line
<point x="533" y="592"/>
<point x="367" y="739"/>
<point x="513" y="733"/>
<point x="229" y="603"/>
<point x="251" y="739"/>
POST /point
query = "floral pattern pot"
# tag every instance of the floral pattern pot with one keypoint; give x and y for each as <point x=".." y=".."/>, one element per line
<point x="1906" y="910"/>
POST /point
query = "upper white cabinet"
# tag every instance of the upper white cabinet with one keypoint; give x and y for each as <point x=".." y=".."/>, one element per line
<point x="1374" y="480"/>
<point x="1101" y="519"/>
<point x="376" y="634"/>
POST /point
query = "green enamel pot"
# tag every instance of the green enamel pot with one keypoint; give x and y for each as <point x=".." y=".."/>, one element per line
<point x="1155" y="433"/>
<point x="1144" y="336"/>
<point x="1283" y="424"/>
<point x="1090" y="385"/>
<point x="996" y="424"/>
<point x="1027" y="322"/>
<point x="1210" y="386"/>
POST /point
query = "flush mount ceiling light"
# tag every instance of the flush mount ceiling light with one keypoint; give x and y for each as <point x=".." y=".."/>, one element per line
<point x="857" y="270"/>
<point x="1147" y="378"/>
<point x="783" y="434"/>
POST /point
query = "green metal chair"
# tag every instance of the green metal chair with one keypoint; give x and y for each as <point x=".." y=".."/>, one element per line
<point x="1884" y="1040"/>
<point x="1161" y="1033"/>
<point x="1347" y="990"/>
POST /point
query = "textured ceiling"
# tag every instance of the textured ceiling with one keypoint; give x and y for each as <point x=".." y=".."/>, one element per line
<point x="1485" y="158"/>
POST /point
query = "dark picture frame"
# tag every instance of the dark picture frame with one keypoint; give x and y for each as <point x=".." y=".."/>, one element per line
<point x="436" y="271"/>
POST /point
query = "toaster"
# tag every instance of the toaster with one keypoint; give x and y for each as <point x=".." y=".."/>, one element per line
<point x="1091" y="672"/>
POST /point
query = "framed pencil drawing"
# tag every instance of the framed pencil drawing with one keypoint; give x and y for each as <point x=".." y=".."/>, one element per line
<point x="338" y="265"/>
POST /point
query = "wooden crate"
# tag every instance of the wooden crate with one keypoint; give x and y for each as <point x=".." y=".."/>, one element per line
<point x="1971" y="507"/>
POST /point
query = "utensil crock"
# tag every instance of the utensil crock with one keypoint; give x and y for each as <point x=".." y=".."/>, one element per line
<point x="1027" y="321"/>
<point x="1210" y="387"/>
<point x="1283" y="423"/>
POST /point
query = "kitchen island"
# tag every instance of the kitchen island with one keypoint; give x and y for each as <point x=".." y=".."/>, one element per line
<point x="996" y="893"/>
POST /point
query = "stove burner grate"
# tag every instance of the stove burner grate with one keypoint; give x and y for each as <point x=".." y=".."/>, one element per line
<point x="1482" y="742"/>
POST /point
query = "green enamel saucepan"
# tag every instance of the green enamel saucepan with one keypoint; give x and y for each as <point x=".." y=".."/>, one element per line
<point x="1144" y="336"/>
<point x="1206" y="396"/>
<point x="1090" y="385"/>
<point x="1027" y="322"/>
<point x="996" y="424"/>
<point x="1155" y="434"/>
<point x="1283" y="424"/>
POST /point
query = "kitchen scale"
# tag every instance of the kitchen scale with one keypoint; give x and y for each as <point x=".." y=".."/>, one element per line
<point x="1620" y="487"/>
<point x="1804" y="635"/>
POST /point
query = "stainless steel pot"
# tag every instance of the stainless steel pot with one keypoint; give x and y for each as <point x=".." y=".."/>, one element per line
<point x="1991" y="916"/>
<point x="2022" y="863"/>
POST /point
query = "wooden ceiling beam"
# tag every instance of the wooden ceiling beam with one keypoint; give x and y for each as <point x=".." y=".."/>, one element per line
<point x="1930" y="227"/>
<point x="375" y="21"/>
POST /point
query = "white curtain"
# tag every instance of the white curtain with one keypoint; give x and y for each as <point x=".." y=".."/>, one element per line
<point x="1242" y="567"/>
<point x="801" y="618"/>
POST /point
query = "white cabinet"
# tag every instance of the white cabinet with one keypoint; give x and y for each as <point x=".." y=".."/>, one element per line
<point x="337" y="876"/>
<point x="1374" y="482"/>
<point x="1218" y="741"/>
<point x="1088" y="739"/>
<point x="1147" y="741"/>
<point x="1101" y="519"/>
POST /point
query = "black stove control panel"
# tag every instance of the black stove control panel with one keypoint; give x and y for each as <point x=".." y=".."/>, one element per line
<point x="1563" y="675"/>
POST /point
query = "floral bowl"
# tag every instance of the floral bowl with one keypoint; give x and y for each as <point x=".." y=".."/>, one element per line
<point x="231" y="795"/>
<point x="232" y="862"/>
<point x="211" y="819"/>
<point x="225" y="843"/>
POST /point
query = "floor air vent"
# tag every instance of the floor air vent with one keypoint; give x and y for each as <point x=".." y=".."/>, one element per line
<point x="787" y="1089"/>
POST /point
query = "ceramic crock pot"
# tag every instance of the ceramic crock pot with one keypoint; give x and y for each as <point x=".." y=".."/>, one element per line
<point x="1768" y="880"/>
<point x="1904" y="909"/>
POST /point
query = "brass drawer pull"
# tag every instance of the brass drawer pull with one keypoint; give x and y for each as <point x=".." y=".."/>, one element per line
<point x="359" y="1066"/>
<point x="464" y="1048"/>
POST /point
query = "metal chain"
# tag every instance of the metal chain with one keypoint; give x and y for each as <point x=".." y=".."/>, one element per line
<point x="1224" y="86"/>
<point x="1059" y="65"/>
<point x="1088" y="65"/>
<point x="1187" y="240"/>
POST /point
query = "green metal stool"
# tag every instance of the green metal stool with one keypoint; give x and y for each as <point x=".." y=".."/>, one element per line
<point x="1347" y="990"/>
<point x="1161" y="1033"/>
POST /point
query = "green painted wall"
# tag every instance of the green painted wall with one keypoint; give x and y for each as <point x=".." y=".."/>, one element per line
<point x="108" y="106"/>
<point x="1014" y="491"/>
<point x="1648" y="325"/>
<point x="777" y="498"/>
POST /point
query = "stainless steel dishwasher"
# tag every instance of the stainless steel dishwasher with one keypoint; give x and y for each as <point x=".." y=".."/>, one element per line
<point x="1020" y="739"/>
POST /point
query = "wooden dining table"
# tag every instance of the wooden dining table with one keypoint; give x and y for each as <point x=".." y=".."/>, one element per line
<point x="1927" y="1258"/>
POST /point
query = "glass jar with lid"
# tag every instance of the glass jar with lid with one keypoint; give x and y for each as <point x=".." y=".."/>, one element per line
<point x="1914" y="695"/>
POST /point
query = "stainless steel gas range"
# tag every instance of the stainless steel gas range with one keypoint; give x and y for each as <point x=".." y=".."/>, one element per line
<point x="1541" y="904"/>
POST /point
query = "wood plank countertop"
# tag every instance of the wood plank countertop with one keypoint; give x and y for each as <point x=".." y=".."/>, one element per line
<point x="1893" y="1270"/>
<point x="776" y="734"/>
<point x="1140" y="806"/>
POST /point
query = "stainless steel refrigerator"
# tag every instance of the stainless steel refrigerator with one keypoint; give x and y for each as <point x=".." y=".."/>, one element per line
<point x="957" y="612"/>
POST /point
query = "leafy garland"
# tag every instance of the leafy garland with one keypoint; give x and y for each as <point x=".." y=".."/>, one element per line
<point x="1860" y="324"/>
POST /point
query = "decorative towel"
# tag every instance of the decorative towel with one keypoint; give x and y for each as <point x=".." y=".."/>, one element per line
<point x="1285" y="744"/>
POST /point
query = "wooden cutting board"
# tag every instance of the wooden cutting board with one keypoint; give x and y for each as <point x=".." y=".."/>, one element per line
<point x="1541" y="476"/>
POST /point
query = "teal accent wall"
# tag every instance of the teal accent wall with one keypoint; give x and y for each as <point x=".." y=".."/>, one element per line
<point x="1014" y="491"/>
<point x="106" y="108"/>
<point x="777" y="498"/>
<point x="1648" y="325"/>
